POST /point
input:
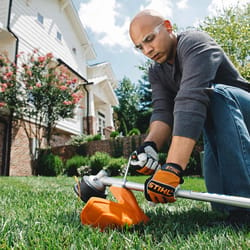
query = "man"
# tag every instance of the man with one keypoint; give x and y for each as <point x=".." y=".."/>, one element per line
<point x="195" y="87"/>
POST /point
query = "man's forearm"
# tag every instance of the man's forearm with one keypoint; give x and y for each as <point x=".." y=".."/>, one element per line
<point x="159" y="133"/>
<point x="180" y="150"/>
<point x="181" y="147"/>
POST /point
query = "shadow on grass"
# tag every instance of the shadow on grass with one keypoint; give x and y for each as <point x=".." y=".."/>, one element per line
<point x="185" y="223"/>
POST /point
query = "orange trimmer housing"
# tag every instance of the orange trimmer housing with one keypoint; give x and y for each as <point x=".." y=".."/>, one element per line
<point x="103" y="213"/>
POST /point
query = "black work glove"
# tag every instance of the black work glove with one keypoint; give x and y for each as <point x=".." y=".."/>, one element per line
<point x="161" y="187"/>
<point x="145" y="158"/>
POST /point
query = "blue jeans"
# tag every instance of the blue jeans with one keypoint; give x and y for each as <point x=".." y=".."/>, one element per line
<point x="227" y="144"/>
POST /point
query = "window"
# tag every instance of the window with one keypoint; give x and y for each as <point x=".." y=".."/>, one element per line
<point x="101" y="123"/>
<point x="59" y="36"/>
<point x="40" y="18"/>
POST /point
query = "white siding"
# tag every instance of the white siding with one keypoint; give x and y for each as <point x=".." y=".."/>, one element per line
<point x="4" y="13"/>
<point x="32" y="34"/>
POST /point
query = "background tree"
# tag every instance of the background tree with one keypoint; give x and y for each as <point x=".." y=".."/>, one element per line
<point x="37" y="92"/>
<point x="144" y="88"/>
<point x="127" y="111"/>
<point x="231" y="29"/>
<point x="145" y="99"/>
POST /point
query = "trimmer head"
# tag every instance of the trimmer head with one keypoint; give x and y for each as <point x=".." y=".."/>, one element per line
<point x="102" y="213"/>
<point x="90" y="186"/>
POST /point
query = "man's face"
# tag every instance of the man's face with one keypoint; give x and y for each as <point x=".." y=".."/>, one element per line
<point x="151" y="36"/>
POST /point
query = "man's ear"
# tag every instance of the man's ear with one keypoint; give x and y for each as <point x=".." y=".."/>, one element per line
<point x="168" y="25"/>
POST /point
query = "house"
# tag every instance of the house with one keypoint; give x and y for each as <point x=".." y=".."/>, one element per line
<point x="54" y="26"/>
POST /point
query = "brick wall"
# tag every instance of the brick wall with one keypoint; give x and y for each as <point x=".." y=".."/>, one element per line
<point x="20" y="161"/>
<point x="59" y="138"/>
<point x="114" y="147"/>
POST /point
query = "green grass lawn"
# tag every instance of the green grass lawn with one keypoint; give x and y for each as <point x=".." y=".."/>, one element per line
<point x="43" y="213"/>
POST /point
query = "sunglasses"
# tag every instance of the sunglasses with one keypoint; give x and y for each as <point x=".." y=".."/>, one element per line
<point x="149" y="37"/>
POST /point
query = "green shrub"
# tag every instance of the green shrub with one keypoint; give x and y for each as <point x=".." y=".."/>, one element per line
<point x="49" y="164"/>
<point x="162" y="158"/>
<point x="84" y="170"/>
<point x="74" y="163"/>
<point x="98" y="161"/>
<point x="194" y="165"/>
<point x="77" y="140"/>
<point x="134" y="131"/>
<point x="114" y="134"/>
<point x="115" y="166"/>
<point x="94" y="137"/>
<point x="97" y="137"/>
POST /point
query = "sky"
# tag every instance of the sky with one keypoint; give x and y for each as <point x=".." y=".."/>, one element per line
<point x="107" y="24"/>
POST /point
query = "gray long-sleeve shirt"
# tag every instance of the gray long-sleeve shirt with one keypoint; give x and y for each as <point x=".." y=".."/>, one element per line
<point x="178" y="91"/>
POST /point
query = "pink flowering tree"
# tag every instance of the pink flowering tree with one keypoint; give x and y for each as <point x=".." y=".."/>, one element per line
<point x="39" y="91"/>
<point x="9" y="87"/>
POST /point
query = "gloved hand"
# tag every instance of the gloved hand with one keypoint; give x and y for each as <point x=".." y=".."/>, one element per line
<point x="145" y="158"/>
<point x="161" y="187"/>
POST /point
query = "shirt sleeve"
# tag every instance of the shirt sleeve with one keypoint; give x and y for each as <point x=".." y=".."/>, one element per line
<point x="162" y="99"/>
<point x="199" y="59"/>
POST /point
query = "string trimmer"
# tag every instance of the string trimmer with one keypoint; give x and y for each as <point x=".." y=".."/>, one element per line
<point x="100" y="212"/>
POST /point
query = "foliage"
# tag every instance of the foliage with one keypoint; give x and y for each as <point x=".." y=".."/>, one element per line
<point x="115" y="166"/>
<point x="10" y="95"/>
<point x="38" y="90"/>
<point x="134" y="131"/>
<point x="72" y="164"/>
<point x="85" y="165"/>
<point x="77" y="140"/>
<point x="81" y="140"/>
<point x="194" y="164"/>
<point x="230" y="28"/>
<point x="49" y="164"/>
<point x="143" y="120"/>
<point x="114" y="134"/>
<point x="126" y="112"/>
<point x="84" y="170"/>
<point x="96" y="137"/>
<point x="44" y="213"/>
<point x="144" y="89"/>
<point x="98" y="161"/>
<point x="145" y="95"/>
<point x="162" y="157"/>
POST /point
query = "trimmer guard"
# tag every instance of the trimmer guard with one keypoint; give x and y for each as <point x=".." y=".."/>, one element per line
<point x="102" y="213"/>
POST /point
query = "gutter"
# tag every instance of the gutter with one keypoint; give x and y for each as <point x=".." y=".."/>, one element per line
<point x="61" y="62"/>
<point x="7" y="151"/>
<point x="9" y="29"/>
<point x="4" y="170"/>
